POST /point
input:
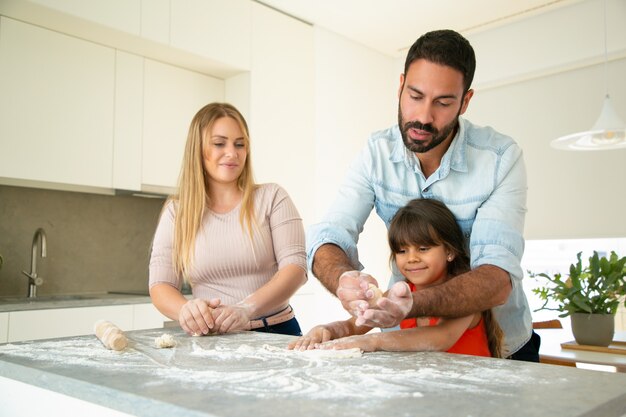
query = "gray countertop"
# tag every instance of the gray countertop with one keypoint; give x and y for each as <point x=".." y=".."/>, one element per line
<point x="47" y="302"/>
<point x="250" y="374"/>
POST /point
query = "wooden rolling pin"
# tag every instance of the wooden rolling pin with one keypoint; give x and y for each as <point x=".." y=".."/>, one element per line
<point x="110" y="335"/>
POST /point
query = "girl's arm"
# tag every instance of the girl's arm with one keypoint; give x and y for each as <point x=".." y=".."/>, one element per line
<point x="437" y="338"/>
<point x="326" y="332"/>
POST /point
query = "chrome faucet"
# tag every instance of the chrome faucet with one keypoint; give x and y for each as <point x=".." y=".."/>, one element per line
<point x="33" y="279"/>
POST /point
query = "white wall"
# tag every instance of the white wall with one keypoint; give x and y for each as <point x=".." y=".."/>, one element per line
<point x="541" y="78"/>
<point x="355" y="94"/>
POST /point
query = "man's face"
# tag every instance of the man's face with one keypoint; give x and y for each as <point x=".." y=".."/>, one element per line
<point x="431" y="100"/>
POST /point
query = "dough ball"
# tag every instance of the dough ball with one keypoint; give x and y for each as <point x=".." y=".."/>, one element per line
<point x="377" y="295"/>
<point x="165" y="341"/>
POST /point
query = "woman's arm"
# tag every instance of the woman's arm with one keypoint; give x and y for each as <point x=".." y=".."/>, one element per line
<point x="266" y="300"/>
<point x="287" y="239"/>
<point x="437" y="338"/>
<point x="194" y="316"/>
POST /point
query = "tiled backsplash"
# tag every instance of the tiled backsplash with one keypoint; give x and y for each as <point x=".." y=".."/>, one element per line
<point x="95" y="243"/>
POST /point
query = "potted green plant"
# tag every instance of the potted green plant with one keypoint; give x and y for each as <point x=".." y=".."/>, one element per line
<point x="590" y="294"/>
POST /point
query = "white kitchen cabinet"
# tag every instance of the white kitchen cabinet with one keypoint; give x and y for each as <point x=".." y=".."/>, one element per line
<point x="4" y="327"/>
<point x="124" y="15"/>
<point x="172" y="96"/>
<point x="17" y="326"/>
<point x="128" y="121"/>
<point x="56" y="107"/>
<point x="146" y="316"/>
<point x="215" y="29"/>
<point x="46" y="324"/>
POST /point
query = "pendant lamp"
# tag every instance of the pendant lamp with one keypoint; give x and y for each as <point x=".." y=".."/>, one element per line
<point x="609" y="131"/>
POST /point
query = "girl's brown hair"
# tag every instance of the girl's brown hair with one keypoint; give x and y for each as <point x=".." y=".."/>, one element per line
<point x="428" y="222"/>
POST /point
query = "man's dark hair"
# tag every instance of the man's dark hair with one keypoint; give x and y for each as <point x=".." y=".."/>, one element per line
<point x="445" y="47"/>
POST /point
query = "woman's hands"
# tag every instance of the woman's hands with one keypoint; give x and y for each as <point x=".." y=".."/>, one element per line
<point x="195" y="316"/>
<point x="232" y="318"/>
<point x="198" y="316"/>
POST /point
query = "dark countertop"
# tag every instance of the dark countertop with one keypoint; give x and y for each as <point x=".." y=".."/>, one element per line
<point x="249" y="374"/>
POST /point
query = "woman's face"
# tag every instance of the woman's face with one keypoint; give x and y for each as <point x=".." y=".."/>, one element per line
<point x="224" y="151"/>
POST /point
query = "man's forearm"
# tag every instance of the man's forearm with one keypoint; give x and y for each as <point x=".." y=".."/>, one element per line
<point x="478" y="290"/>
<point x="329" y="262"/>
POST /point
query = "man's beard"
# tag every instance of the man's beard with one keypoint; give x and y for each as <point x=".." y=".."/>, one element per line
<point x="438" y="136"/>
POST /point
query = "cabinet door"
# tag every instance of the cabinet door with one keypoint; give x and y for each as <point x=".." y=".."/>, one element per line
<point x="4" y="327"/>
<point x="124" y="15"/>
<point x="215" y="29"/>
<point x="62" y="322"/>
<point x="56" y="107"/>
<point x="148" y="317"/>
<point x="171" y="98"/>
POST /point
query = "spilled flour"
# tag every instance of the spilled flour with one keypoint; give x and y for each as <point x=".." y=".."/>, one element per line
<point x="258" y="365"/>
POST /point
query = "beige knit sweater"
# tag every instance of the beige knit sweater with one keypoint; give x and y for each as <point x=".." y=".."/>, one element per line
<point x="226" y="263"/>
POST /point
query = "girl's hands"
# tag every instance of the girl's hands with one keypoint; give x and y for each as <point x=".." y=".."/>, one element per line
<point x="195" y="316"/>
<point x="366" y="342"/>
<point x="316" y="335"/>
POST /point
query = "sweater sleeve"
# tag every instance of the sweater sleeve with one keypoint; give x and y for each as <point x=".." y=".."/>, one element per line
<point x="287" y="231"/>
<point x="161" y="265"/>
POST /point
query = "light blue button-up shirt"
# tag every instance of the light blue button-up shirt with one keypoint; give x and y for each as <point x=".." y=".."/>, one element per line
<point x="482" y="180"/>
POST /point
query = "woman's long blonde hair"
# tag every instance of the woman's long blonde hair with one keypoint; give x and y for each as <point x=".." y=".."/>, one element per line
<point x="193" y="185"/>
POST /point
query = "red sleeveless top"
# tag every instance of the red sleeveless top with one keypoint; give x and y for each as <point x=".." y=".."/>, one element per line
<point x="472" y="342"/>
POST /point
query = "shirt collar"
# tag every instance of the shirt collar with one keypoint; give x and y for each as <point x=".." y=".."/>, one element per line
<point x="454" y="158"/>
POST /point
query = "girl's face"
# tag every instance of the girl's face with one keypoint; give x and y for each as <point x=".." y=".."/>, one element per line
<point x="424" y="265"/>
<point x="224" y="151"/>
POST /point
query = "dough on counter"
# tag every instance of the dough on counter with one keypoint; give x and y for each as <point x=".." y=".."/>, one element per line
<point x="332" y="353"/>
<point x="164" y="341"/>
<point x="110" y="335"/>
<point x="378" y="294"/>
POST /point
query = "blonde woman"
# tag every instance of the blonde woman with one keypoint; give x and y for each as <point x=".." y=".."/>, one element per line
<point x="239" y="245"/>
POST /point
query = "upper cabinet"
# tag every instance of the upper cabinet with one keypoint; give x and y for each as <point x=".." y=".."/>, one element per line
<point x="56" y="107"/>
<point x="215" y="29"/>
<point x="172" y="96"/>
<point x="101" y="94"/>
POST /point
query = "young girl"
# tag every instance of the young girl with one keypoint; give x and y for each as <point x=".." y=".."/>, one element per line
<point x="428" y="248"/>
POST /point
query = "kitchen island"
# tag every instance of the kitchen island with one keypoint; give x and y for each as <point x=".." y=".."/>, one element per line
<point x="251" y="374"/>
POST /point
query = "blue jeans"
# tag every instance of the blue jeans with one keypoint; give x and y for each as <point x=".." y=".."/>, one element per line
<point x="289" y="327"/>
<point x="530" y="351"/>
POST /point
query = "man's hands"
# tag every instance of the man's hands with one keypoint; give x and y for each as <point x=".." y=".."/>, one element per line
<point x="195" y="316"/>
<point x="353" y="291"/>
<point x="355" y="296"/>
<point x="391" y="309"/>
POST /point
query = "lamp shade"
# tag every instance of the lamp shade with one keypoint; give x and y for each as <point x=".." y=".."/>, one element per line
<point x="609" y="132"/>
